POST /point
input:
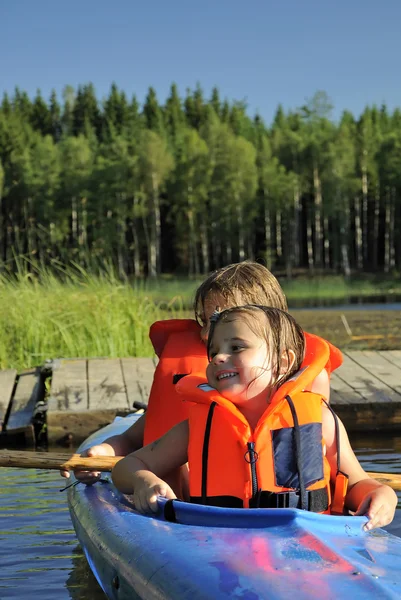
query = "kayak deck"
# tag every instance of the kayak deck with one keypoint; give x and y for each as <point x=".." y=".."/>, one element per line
<point x="229" y="553"/>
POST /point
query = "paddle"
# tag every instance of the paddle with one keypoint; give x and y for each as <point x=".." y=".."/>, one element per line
<point x="67" y="462"/>
<point x="56" y="460"/>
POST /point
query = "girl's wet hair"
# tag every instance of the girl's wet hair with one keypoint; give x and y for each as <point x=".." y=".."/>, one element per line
<point x="279" y="329"/>
<point x="241" y="283"/>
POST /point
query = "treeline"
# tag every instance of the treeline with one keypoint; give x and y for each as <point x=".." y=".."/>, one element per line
<point x="197" y="183"/>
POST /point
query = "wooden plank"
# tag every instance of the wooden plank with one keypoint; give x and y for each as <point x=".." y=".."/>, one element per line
<point x="345" y="398"/>
<point x="359" y="393"/>
<point x="72" y="428"/>
<point x="85" y="396"/>
<point x="393" y="356"/>
<point x="29" y="390"/>
<point x="382" y="369"/>
<point x="336" y="398"/>
<point x="69" y="386"/>
<point x="138" y="377"/>
<point x="342" y="393"/>
<point x="365" y="382"/>
<point x="106" y="387"/>
<point x="366" y="418"/>
<point x="7" y="382"/>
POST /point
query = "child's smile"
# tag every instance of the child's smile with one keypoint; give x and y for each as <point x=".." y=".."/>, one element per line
<point x="225" y="374"/>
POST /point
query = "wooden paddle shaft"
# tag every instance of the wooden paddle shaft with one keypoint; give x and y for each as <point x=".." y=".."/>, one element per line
<point x="391" y="479"/>
<point x="67" y="462"/>
<point x="56" y="460"/>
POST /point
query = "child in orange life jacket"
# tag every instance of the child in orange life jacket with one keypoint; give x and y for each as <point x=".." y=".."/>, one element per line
<point x="180" y="345"/>
<point x="245" y="425"/>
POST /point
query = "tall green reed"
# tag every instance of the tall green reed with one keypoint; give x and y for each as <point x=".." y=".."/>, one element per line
<point x="68" y="313"/>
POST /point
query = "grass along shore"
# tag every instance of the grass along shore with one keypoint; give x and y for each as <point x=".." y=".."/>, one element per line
<point x="75" y="314"/>
<point x="81" y="316"/>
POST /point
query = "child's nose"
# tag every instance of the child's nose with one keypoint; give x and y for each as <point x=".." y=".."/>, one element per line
<point x="219" y="358"/>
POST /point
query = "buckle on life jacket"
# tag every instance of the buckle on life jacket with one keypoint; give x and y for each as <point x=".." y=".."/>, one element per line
<point x="318" y="500"/>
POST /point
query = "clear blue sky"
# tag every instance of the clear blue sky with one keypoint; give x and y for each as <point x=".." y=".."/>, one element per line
<point x="263" y="51"/>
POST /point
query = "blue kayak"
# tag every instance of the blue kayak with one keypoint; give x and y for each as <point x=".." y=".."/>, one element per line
<point x="218" y="553"/>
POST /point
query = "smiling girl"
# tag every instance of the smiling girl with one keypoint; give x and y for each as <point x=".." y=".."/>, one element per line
<point x="256" y="435"/>
<point x="180" y="345"/>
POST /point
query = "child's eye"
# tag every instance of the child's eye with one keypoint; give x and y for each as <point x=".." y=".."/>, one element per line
<point x="237" y="348"/>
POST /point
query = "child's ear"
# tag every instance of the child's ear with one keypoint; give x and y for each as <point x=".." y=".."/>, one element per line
<point x="287" y="360"/>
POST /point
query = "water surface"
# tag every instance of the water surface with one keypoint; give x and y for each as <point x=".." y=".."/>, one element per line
<point x="40" y="556"/>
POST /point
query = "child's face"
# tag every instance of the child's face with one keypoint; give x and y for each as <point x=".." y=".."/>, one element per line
<point x="212" y="302"/>
<point x="240" y="367"/>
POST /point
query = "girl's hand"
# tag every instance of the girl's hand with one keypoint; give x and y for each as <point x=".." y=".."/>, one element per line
<point x="91" y="477"/>
<point x="147" y="487"/>
<point x="379" y="505"/>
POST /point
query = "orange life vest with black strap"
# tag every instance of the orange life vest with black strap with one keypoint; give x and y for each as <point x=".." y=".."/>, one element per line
<point x="280" y="464"/>
<point x="178" y="345"/>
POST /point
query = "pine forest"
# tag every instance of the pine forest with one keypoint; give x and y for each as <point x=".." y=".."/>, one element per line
<point x="197" y="183"/>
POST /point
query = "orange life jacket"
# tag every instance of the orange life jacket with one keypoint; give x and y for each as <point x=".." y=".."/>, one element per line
<point x="178" y="345"/>
<point x="280" y="464"/>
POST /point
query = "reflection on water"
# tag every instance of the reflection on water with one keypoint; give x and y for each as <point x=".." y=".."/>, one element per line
<point x="39" y="553"/>
<point x="81" y="583"/>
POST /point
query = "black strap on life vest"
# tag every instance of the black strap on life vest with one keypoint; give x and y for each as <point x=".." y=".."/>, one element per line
<point x="205" y="452"/>
<point x="298" y="454"/>
<point x="337" y="434"/>
<point x="178" y="376"/>
<point x="316" y="500"/>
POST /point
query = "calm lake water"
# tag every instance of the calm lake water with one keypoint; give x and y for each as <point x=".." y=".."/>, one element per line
<point x="40" y="557"/>
<point x="376" y="302"/>
<point x="361" y="306"/>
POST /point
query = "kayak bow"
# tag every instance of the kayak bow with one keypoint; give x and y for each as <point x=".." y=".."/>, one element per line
<point x="201" y="552"/>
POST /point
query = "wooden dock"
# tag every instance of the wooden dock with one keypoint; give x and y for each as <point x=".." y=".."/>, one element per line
<point x="71" y="398"/>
